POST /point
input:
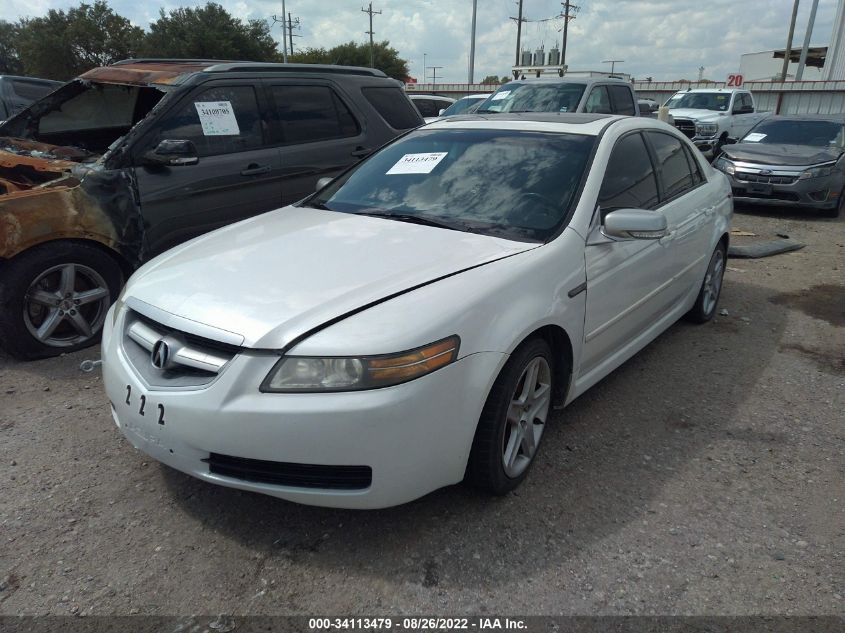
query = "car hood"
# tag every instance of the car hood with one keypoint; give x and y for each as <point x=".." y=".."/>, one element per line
<point x="696" y="115"/>
<point x="275" y="277"/>
<point x="780" y="154"/>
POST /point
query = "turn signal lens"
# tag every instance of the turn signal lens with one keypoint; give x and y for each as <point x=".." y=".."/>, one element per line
<point x="300" y="374"/>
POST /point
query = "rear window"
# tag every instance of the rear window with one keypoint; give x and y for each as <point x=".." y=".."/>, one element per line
<point x="535" y="97"/>
<point x="394" y="107"/>
<point x="623" y="101"/>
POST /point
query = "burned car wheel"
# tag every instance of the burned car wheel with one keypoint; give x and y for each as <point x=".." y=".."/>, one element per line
<point x="55" y="298"/>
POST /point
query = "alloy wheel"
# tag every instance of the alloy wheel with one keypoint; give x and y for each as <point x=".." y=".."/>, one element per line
<point x="713" y="281"/>
<point x="66" y="305"/>
<point x="526" y="417"/>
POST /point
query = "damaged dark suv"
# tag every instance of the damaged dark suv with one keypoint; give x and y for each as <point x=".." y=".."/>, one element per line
<point x="131" y="159"/>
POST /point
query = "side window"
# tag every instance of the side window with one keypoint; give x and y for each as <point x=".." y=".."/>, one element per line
<point x="393" y="106"/>
<point x="598" y="101"/>
<point x="312" y="113"/>
<point x="32" y="90"/>
<point x="629" y="180"/>
<point x="441" y="104"/>
<point x="747" y="101"/>
<point x="695" y="166"/>
<point x="672" y="164"/>
<point x="623" y="100"/>
<point x="218" y="120"/>
<point x="426" y="107"/>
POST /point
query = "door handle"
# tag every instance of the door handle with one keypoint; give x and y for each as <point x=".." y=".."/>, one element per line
<point x="360" y="152"/>
<point x="254" y="169"/>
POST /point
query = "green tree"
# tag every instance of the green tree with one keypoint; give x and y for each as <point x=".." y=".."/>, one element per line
<point x="505" y="79"/>
<point x="490" y="79"/>
<point x="209" y="32"/>
<point x="386" y="57"/>
<point x="10" y="61"/>
<point x="63" y="44"/>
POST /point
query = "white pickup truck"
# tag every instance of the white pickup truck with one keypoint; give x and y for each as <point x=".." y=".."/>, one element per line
<point x="709" y="116"/>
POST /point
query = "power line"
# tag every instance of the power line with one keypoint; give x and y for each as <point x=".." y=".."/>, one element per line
<point x="370" y="32"/>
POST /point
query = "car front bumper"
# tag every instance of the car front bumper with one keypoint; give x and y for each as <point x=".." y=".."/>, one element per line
<point x="414" y="437"/>
<point x="816" y="193"/>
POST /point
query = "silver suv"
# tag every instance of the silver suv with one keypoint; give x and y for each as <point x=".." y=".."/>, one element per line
<point x="594" y="95"/>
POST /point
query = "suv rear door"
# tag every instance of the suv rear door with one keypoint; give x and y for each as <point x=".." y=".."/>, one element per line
<point x="318" y="130"/>
<point x="237" y="175"/>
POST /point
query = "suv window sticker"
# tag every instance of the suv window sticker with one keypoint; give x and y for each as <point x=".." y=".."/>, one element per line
<point x="217" y="118"/>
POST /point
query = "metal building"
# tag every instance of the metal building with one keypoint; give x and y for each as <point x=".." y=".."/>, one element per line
<point x="834" y="67"/>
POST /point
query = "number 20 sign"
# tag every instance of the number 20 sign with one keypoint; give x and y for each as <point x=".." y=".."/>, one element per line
<point x="735" y="81"/>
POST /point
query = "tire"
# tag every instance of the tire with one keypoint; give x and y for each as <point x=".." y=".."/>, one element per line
<point x="497" y="437"/>
<point x="836" y="211"/>
<point x="54" y="299"/>
<point x="708" y="296"/>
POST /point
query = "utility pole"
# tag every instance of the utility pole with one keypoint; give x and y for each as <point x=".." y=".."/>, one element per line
<point x="472" y="44"/>
<point x="283" y="22"/>
<point x="291" y="24"/>
<point x="613" y="63"/>
<point x="569" y="11"/>
<point x="788" y="52"/>
<point x="799" y="74"/>
<point x="370" y="33"/>
<point x="434" y="74"/>
<point x="519" y="22"/>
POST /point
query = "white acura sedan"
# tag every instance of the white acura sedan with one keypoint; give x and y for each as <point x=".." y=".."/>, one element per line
<point x="412" y="323"/>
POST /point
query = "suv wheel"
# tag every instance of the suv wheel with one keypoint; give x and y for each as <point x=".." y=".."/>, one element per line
<point x="54" y="299"/>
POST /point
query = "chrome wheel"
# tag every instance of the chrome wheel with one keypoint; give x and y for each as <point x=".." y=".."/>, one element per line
<point x="66" y="305"/>
<point x="713" y="281"/>
<point x="526" y="416"/>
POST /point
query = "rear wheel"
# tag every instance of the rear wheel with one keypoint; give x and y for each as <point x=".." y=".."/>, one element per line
<point x="55" y="298"/>
<point x="711" y="288"/>
<point x="513" y="419"/>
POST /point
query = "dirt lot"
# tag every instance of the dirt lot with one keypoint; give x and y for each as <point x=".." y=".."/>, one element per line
<point x="706" y="476"/>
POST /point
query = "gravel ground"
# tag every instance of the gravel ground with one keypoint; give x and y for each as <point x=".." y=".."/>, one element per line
<point x="705" y="476"/>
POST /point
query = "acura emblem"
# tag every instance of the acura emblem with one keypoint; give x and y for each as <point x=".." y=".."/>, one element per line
<point x="160" y="356"/>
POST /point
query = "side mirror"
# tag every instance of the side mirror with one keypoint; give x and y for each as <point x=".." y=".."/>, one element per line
<point x="730" y="141"/>
<point x="322" y="182"/>
<point x="746" y="109"/>
<point x="638" y="224"/>
<point x="173" y="153"/>
<point x="441" y="111"/>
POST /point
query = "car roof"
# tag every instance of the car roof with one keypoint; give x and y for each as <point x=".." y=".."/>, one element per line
<point x="589" y="124"/>
<point x="566" y="80"/>
<point x="713" y="89"/>
<point x="145" y="72"/>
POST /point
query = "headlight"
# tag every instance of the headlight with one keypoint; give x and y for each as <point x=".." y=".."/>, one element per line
<point x="723" y="164"/>
<point x="706" y="129"/>
<point x="300" y="374"/>
<point x="817" y="172"/>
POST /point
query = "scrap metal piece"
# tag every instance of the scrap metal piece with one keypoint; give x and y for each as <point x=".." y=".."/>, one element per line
<point x="764" y="249"/>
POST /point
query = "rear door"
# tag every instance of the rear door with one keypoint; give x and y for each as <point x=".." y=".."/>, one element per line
<point x="318" y="130"/>
<point x="238" y="173"/>
<point x="688" y="208"/>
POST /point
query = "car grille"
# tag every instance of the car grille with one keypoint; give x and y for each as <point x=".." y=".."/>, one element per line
<point x="195" y="361"/>
<point x="765" y="179"/>
<point x="289" y="474"/>
<point x="686" y="127"/>
<point x="787" y="196"/>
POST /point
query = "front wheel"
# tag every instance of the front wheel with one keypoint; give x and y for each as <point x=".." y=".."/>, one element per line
<point x="513" y="419"/>
<point x="711" y="288"/>
<point x="54" y="299"/>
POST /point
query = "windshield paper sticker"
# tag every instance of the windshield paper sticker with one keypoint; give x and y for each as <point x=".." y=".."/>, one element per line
<point x="754" y="137"/>
<point x="217" y="118"/>
<point x="417" y="163"/>
<point x="501" y="95"/>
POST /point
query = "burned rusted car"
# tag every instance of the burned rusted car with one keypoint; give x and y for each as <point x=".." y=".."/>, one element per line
<point x="129" y="160"/>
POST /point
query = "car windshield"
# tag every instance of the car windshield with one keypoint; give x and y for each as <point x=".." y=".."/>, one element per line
<point x="534" y="97"/>
<point x="792" y="132"/>
<point x="718" y="101"/>
<point x="462" y="105"/>
<point x="512" y="184"/>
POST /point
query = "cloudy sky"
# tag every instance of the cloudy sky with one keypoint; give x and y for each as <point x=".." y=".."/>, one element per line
<point x="666" y="39"/>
